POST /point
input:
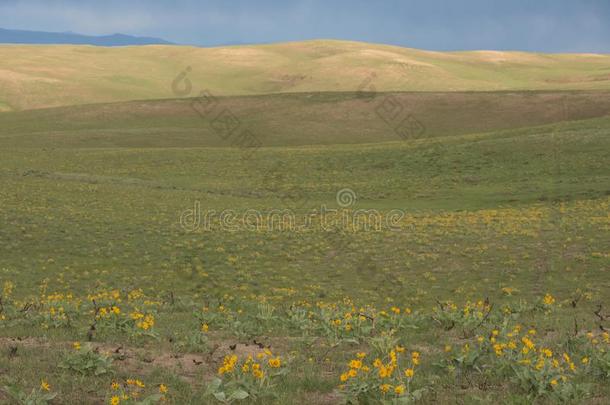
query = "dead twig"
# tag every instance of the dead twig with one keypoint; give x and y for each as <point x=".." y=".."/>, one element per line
<point x="92" y="328"/>
<point x="602" y="318"/>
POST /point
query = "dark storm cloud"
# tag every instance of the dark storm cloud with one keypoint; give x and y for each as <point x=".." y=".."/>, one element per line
<point x="543" y="25"/>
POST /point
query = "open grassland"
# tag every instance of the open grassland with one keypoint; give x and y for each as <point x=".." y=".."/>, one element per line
<point x="493" y="287"/>
<point x="47" y="76"/>
<point x="295" y="119"/>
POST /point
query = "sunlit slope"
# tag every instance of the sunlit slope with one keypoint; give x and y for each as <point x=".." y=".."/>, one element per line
<point x="296" y="119"/>
<point x="564" y="161"/>
<point x="45" y="76"/>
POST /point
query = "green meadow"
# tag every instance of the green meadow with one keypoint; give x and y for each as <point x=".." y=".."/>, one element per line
<point x="495" y="273"/>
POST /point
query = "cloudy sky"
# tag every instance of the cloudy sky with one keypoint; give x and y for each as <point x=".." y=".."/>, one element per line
<point x="531" y="25"/>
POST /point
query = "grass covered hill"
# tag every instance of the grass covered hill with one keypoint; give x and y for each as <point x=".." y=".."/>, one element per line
<point x="45" y="76"/>
<point x="297" y="119"/>
<point x="491" y="286"/>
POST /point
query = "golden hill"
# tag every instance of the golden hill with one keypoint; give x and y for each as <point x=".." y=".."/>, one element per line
<point x="47" y="76"/>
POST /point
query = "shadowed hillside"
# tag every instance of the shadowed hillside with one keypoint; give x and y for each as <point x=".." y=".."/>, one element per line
<point x="297" y="119"/>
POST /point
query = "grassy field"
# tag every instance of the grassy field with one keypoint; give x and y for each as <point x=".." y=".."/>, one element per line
<point x="296" y="119"/>
<point x="481" y="275"/>
<point x="502" y="217"/>
<point x="48" y="76"/>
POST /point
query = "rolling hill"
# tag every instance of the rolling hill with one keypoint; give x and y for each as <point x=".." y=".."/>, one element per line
<point x="48" y="76"/>
<point x="297" y="119"/>
<point x="120" y="196"/>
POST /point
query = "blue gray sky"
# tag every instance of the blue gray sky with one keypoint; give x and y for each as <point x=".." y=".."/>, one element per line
<point x="530" y="25"/>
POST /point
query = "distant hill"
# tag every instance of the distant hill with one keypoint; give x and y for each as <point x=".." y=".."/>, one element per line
<point x="47" y="38"/>
<point x="39" y="76"/>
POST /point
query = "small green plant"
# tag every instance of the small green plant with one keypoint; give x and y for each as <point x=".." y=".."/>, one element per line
<point x="134" y="392"/>
<point x="58" y="310"/>
<point x="343" y="323"/>
<point x="467" y="359"/>
<point x="399" y="319"/>
<point x="537" y="371"/>
<point x="384" y="343"/>
<point x="225" y="393"/>
<point x="298" y="318"/>
<point x="86" y="361"/>
<point x="252" y="378"/>
<point x="547" y="382"/>
<point x="471" y="316"/>
<point x="196" y="341"/>
<point x="37" y="396"/>
<point x="386" y="379"/>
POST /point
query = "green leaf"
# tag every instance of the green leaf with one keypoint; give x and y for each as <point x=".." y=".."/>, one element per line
<point x="152" y="399"/>
<point x="220" y="396"/>
<point x="239" y="395"/>
<point x="49" y="396"/>
<point x="216" y="383"/>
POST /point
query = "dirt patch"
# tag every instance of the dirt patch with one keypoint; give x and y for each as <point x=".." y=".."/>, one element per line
<point x="329" y="398"/>
<point x="27" y="342"/>
<point x="189" y="366"/>
<point x="138" y="360"/>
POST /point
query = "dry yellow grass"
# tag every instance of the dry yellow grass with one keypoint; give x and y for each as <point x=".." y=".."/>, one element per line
<point x="46" y="76"/>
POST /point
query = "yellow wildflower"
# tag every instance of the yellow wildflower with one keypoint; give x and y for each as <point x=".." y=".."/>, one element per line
<point x="383" y="372"/>
<point x="275" y="362"/>
<point x="415" y="358"/>
<point x="549" y="299"/>
<point x="355" y="364"/>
